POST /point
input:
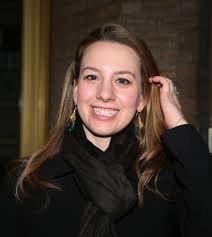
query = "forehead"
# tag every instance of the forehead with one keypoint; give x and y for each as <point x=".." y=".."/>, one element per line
<point x="113" y="54"/>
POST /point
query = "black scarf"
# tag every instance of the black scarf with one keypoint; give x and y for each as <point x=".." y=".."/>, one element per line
<point x="104" y="178"/>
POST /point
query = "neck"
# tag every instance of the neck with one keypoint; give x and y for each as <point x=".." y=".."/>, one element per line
<point x="101" y="142"/>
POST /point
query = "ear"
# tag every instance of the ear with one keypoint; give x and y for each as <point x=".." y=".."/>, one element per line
<point x="75" y="93"/>
<point x="141" y="104"/>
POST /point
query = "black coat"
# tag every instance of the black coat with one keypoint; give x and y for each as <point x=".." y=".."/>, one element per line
<point x="58" y="213"/>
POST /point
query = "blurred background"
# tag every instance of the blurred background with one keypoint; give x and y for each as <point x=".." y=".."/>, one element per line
<point x="38" y="38"/>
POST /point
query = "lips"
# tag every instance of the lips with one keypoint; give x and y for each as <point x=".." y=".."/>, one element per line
<point x="105" y="112"/>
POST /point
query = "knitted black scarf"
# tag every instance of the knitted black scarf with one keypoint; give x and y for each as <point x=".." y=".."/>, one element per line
<point x="103" y="177"/>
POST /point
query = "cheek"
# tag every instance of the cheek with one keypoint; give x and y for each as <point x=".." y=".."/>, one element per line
<point x="130" y="99"/>
<point x="84" y="93"/>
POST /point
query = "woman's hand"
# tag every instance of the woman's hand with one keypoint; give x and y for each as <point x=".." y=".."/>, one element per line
<point x="171" y="108"/>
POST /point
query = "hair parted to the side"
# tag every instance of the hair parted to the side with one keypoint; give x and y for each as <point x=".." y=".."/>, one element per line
<point x="151" y="160"/>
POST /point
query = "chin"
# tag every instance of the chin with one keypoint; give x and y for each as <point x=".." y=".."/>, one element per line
<point x="103" y="133"/>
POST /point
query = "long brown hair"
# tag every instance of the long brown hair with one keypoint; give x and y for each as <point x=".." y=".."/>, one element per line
<point x="151" y="160"/>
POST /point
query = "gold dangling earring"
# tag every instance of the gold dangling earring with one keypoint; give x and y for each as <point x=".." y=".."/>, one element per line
<point x="72" y="119"/>
<point x="140" y="123"/>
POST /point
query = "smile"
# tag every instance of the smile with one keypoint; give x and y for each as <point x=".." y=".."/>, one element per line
<point x="105" y="112"/>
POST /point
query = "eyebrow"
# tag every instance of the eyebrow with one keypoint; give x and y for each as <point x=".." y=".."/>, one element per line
<point x="125" y="72"/>
<point x="117" y="73"/>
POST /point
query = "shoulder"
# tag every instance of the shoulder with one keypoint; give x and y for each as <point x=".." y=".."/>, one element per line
<point x="52" y="170"/>
<point x="55" y="167"/>
<point x="185" y="143"/>
<point x="185" y="134"/>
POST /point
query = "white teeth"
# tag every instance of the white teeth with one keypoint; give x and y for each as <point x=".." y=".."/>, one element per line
<point x="105" y="112"/>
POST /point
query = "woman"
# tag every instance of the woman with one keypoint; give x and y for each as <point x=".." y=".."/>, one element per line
<point x="121" y="159"/>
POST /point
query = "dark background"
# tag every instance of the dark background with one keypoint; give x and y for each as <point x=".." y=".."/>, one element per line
<point x="10" y="77"/>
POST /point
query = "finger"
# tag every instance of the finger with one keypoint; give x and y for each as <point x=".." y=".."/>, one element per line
<point x="164" y="82"/>
<point x="167" y="87"/>
<point x="173" y="88"/>
<point x="174" y="93"/>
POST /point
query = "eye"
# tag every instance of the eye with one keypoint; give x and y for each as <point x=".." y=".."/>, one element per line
<point x="123" y="81"/>
<point x="91" y="77"/>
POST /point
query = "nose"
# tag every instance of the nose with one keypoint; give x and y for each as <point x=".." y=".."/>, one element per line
<point x="105" y="91"/>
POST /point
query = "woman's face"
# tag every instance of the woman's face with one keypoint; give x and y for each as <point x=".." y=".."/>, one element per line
<point x="108" y="91"/>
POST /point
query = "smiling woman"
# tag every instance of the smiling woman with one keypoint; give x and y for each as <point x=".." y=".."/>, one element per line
<point x="108" y="91"/>
<point x="121" y="159"/>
